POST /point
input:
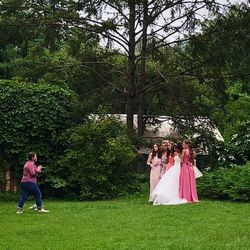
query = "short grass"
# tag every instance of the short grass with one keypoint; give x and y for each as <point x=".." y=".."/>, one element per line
<point x="128" y="223"/>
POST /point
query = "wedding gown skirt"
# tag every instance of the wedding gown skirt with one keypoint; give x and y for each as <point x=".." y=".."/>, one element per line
<point x="167" y="190"/>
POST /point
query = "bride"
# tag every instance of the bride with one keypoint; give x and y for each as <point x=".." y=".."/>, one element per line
<point x="167" y="190"/>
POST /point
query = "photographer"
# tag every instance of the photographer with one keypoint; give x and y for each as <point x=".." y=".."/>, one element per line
<point x="29" y="185"/>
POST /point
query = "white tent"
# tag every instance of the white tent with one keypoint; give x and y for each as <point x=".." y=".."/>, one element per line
<point x="164" y="128"/>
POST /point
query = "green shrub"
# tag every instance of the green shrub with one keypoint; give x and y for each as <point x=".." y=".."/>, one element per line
<point x="98" y="162"/>
<point x="226" y="183"/>
<point x="32" y="118"/>
<point x="234" y="151"/>
<point x="9" y="196"/>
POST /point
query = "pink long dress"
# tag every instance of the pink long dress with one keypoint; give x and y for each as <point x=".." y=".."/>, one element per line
<point x="155" y="174"/>
<point x="187" y="180"/>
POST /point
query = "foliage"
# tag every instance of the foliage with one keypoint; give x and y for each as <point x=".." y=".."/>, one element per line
<point x="98" y="162"/>
<point x="32" y="117"/>
<point x="241" y="140"/>
<point x="51" y="41"/>
<point x="221" y="68"/>
<point x="237" y="110"/>
<point x="8" y="196"/>
<point x="136" y="29"/>
<point x="235" y="151"/>
<point x="226" y="183"/>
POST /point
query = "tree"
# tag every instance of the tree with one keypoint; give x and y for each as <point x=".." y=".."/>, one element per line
<point x="137" y="27"/>
<point x="132" y="26"/>
<point x="75" y="60"/>
<point x="222" y="62"/>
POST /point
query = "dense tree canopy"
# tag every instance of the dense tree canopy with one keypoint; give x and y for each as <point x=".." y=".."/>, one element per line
<point x="136" y="28"/>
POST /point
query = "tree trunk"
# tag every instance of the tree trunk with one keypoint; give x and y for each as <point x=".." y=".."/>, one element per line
<point x="8" y="180"/>
<point x="131" y="67"/>
<point x="142" y="79"/>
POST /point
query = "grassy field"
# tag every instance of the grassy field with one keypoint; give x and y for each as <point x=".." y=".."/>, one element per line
<point x="129" y="223"/>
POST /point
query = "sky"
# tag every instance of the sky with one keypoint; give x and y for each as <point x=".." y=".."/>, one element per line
<point x="201" y="14"/>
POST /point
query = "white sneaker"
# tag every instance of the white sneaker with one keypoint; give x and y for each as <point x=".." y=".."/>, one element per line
<point x="43" y="210"/>
<point x="19" y="210"/>
<point x="33" y="207"/>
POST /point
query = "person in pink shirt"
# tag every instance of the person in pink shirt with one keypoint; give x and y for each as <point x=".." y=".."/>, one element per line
<point x="29" y="185"/>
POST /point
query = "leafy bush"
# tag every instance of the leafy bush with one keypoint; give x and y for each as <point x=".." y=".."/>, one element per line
<point x="241" y="142"/>
<point x="98" y="162"/>
<point x="8" y="196"/>
<point x="32" y="118"/>
<point x="226" y="183"/>
<point x="222" y="154"/>
<point x="235" y="151"/>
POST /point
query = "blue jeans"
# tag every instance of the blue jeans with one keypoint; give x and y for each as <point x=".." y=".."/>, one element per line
<point x="30" y="188"/>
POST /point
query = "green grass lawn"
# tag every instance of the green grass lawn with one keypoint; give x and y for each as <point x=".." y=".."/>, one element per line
<point x="129" y="223"/>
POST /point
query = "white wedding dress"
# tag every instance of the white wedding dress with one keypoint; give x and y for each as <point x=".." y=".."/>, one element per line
<point x="167" y="190"/>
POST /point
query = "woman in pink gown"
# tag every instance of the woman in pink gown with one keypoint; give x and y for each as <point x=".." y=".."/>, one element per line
<point x="187" y="177"/>
<point x="154" y="161"/>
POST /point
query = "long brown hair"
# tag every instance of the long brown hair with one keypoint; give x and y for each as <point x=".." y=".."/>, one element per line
<point x="170" y="152"/>
<point x="178" y="147"/>
<point x="157" y="153"/>
<point x="188" y="142"/>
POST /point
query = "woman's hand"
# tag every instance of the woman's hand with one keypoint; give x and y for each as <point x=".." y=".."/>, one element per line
<point x="39" y="168"/>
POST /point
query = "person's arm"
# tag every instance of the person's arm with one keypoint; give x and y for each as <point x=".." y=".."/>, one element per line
<point x="32" y="169"/>
<point x="149" y="160"/>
